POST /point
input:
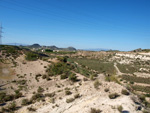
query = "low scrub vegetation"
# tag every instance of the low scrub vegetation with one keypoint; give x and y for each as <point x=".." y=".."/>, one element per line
<point x="126" y="68"/>
<point x="40" y="90"/>
<point x="111" y="78"/>
<point x="136" y="79"/>
<point x="113" y="95"/>
<point x="70" y="100"/>
<point x="67" y="92"/>
<point x="37" y="97"/>
<point x="31" y="56"/>
<point x="106" y="89"/>
<point x="100" y="66"/>
<point x="64" y="69"/>
<point x="77" y="95"/>
<point x="125" y="92"/>
<point x="120" y="108"/>
<point x="50" y="94"/>
<point x="25" y="102"/>
<point x="9" y="97"/>
<point x="94" y="110"/>
<point x="73" y="77"/>
<point x="97" y="84"/>
<point x="59" y="68"/>
<point x="141" y="88"/>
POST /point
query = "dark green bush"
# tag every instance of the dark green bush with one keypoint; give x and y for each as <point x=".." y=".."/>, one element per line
<point x="50" y="94"/>
<point x="31" y="109"/>
<point x="62" y="59"/>
<point x="9" y="97"/>
<point x="22" y="82"/>
<point x="25" y="102"/>
<point x="44" y="76"/>
<point x="125" y="92"/>
<point x="113" y="96"/>
<point x="106" y="89"/>
<point x="70" y="100"/>
<point x="120" y="108"/>
<point x="40" y="90"/>
<point x="77" y="95"/>
<point x="67" y="92"/>
<point x="2" y="96"/>
<point x="12" y="106"/>
<point x="31" y="56"/>
<point x="18" y="94"/>
<point x="93" y="110"/>
<point x="37" y="96"/>
<point x="73" y="77"/>
<point x="63" y="76"/>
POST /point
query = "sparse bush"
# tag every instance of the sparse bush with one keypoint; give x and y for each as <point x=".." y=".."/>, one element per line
<point x="142" y="98"/>
<point x="106" y="89"/>
<point x="85" y="79"/>
<point x="50" y="94"/>
<point x="70" y="100"/>
<point x="2" y="96"/>
<point x="120" y="108"/>
<point x="67" y="92"/>
<point x="96" y="84"/>
<point x="12" y="106"/>
<point x="48" y="78"/>
<point x="25" y="102"/>
<point x="44" y="76"/>
<point x="112" y="78"/>
<point x="22" y="82"/>
<point x="91" y="77"/>
<point x="40" y="90"/>
<point x="8" y="97"/>
<point x="18" y="94"/>
<point x="113" y="96"/>
<point x="93" y="110"/>
<point x="77" y="95"/>
<point x="73" y="77"/>
<point x="37" y="96"/>
<point x="125" y="92"/>
<point x="63" y="76"/>
<point x="67" y="88"/>
<point x="31" y="109"/>
<point x="36" y="77"/>
<point x="62" y="59"/>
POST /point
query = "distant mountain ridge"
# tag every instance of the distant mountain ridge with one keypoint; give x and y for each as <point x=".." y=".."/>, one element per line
<point x="52" y="47"/>
<point x="96" y="49"/>
<point x="36" y="46"/>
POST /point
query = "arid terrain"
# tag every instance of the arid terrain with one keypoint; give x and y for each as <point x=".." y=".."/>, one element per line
<point x="74" y="82"/>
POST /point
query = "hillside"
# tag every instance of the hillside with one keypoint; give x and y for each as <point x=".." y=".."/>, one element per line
<point x="82" y="82"/>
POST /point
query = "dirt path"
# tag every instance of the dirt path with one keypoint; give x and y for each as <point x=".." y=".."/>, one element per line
<point x="118" y="71"/>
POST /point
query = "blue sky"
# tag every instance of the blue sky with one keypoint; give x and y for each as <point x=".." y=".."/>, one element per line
<point x="112" y="24"/>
